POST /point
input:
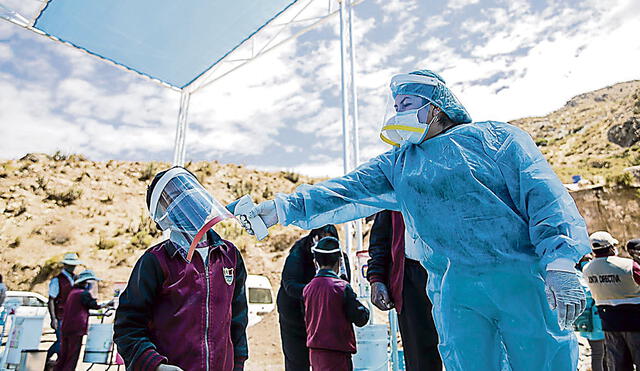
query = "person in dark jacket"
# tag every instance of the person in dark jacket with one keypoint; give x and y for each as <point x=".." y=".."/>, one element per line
<point x="330" y="310"/>
<point x="298" y="271"/>
<point x="76" y="320"/>
<point x="398" y="280"/>
<point x="180" y="315"/>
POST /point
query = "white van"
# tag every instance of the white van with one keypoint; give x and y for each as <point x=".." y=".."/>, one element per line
<point x="259" y="297"/>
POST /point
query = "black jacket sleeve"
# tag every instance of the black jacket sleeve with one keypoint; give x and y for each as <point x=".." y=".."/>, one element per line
<point x="240" y="313"/>
<point x="357" y="313"/>
<point x="347" y="266"/>
<point x="131" y="333"/>
<point x="88" y="301"/>
<point x="293" y="280"/>
<point x="380" y="248"/>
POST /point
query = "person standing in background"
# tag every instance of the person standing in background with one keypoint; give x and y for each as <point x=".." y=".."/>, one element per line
<point x="297" y="272"/>
<point x="589" y="324"/>
<point x="3" y="291"/>
<point x="76" y="322"/>
<point x="59" y="288"/>
<point x="615" y="286"/>
<point x="633" y="248"/>
<point x="330" y="311"/>
<point x="399" y="281"/>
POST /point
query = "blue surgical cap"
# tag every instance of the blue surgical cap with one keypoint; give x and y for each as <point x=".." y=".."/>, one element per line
<point x="439" y="95"/>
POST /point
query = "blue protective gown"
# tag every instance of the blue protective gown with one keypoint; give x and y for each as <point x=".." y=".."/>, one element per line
<point x="492" y="214"/>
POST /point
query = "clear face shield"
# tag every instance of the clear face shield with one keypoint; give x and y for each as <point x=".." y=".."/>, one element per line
<point x="405" y="118"/>
<point x="180" y="204"/>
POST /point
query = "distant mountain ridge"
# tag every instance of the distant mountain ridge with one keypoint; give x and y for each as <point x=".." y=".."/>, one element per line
<point x="595" y="135"/>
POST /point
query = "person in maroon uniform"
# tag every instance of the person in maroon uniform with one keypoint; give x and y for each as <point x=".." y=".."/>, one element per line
<point x="331" y="309"/>
<point x="76" y="321"/>
<point x="181" y="315"/>
<point x="59" y="288"/>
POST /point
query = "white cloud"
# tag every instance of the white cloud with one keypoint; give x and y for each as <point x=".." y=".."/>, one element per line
<point x="459" y="4"/>
<point x="507" y="61"/>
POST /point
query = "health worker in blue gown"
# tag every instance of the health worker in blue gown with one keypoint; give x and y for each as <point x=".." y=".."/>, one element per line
<point x="501" y="233"/>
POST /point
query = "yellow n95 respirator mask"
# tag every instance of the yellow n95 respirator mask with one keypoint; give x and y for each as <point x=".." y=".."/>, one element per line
<point x="405" y="127"/>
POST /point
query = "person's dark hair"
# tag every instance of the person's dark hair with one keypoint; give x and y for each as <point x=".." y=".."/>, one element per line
<point x="157" y="178"/>
<point x="443" y="119"/>
<point x="328" y="230"/>
<point x="0" y="278"/>
<point x="633" y="244"/>
<point x="327" y="259"/>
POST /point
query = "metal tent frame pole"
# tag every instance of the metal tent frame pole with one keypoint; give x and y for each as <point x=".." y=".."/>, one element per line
<point x="179" y="146"/>
<point x="355" y="160"/>
<point x="346" y="145"/>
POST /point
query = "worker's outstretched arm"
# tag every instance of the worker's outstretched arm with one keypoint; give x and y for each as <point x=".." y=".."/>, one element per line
<point x="361" y="193"/>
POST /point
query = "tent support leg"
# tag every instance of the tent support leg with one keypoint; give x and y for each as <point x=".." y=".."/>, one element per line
<point x="355" y="159"/>
<point x="346" y="141"/>
<point x="179" y="148"/>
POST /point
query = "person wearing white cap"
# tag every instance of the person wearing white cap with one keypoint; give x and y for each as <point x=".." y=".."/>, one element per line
<point x="76" y="320"/>
<point x="59" y="288"/>
<point x="615" y="286"/>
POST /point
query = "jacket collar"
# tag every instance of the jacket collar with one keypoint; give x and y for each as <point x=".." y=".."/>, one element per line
<point x="326" y="273"/>
<point x="213" y="240"/>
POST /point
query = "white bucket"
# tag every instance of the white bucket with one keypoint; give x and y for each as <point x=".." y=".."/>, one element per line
<point x="99" y="343"/>
<point x="373" y="343"/>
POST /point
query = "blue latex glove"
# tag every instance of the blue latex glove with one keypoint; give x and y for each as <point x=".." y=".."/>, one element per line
<point x="565" y="293"/>
<point x="267" y="212"/>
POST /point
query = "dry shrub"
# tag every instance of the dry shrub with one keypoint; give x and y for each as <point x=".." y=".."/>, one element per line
<point x="64" y="198"/>
<point x="46" y="271"/>
<point x="148" y="173"/>
<point x="291" y="176"/>
<point x="15" y="243"/>
<point x="105" y="243"/>
<point x="60" y="235"/>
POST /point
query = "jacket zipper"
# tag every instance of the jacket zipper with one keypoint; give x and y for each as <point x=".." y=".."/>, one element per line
<point x="206" y="333"/>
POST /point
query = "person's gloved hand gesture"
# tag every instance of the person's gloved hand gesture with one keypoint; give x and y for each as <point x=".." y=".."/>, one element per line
<point x="565" y="293"/>
<point x="267" y="212"/>
<point x="380" y="296"/>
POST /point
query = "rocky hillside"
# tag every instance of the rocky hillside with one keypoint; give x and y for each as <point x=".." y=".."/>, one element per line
<point x="595" y="135"/>
<point x="50" y="205"/>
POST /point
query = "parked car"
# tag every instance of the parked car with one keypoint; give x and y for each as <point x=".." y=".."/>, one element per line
<point x="259" y="297"/>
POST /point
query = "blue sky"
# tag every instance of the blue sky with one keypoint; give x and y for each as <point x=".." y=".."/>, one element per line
<point x="503" y="59"/>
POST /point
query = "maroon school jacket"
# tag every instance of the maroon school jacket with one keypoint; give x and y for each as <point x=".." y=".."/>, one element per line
<point x="76" y="309"/>
<point x="331" y="309"/>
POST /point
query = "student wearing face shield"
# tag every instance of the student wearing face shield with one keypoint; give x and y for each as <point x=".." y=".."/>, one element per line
<point x="501" y="233"/>
<point x="184" y="307"/>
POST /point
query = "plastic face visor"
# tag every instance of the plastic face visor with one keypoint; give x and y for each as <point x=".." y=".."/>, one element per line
<point x="397" y="127"/>
<point x="179" y="202"/>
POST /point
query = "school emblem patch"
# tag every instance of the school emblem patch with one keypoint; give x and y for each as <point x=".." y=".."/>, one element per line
<point x="228" y="275"/>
